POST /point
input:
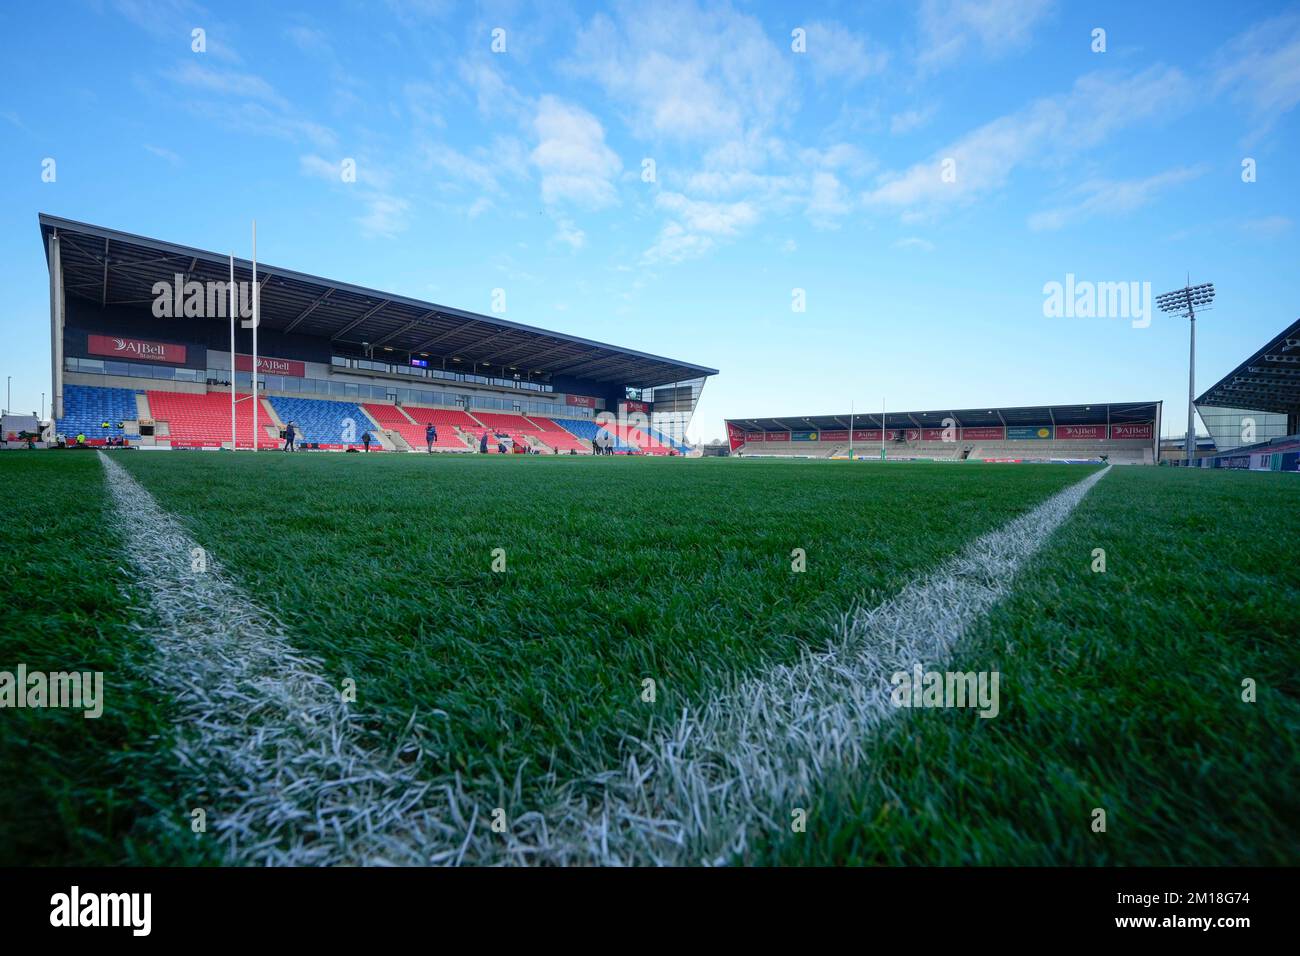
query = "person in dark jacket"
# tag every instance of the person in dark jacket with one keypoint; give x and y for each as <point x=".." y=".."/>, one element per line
<point x="365" y="440"/>
<point x="482" y="444"/>
<point x="430" y="436"/>
<point x="289" y="433"/>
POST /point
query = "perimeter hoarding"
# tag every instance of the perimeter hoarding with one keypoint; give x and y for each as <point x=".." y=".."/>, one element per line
<point x="1028" y="432"/>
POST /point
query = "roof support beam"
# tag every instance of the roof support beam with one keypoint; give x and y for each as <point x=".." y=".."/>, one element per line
<point x="103" y="297"/>
<point x="355" y="322"/>
<point x="403" y="330"/>
<point x="588" y="363"/>
<point x="307" y="311"/>
<point x="538" y="357"/>
<point x="488" y="340"/>
<point x="442" y="337"/>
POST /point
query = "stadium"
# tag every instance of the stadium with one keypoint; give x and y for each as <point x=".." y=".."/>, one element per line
<point x="127" y="365"/>
<point x="327" y="563"/>
<point x="601" y="703"/>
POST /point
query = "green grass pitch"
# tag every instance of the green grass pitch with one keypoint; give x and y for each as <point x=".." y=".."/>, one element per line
<point x="1120" y="689"/>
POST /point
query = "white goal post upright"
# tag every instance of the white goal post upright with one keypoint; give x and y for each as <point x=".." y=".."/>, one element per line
<point x="255" y="323"/>
<point x="232" y="300"/>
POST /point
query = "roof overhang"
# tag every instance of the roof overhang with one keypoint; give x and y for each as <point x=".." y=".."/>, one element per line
<point x="1091" y="414"/>
<point x="109" y="267"/>
<point x="1268" y="381"/>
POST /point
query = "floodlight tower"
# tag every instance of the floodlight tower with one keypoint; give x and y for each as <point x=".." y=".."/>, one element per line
<point x="1185" y="302"/>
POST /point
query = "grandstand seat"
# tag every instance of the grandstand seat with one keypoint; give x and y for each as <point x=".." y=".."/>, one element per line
<point x="87" y="407"/>
<point x="392" y="418"/>
<point x="324" y="422"/>
<point x="588" y="429"/>
<point x="550" y="433"/>
<point x="523" y="427"/>
<point x="203" y="420"/>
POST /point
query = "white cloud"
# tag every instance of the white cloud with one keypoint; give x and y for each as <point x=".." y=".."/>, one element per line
<point x="837" y="53"/>
<point x="676" y="244"/>
<point x="914" y="242"/>
<point x="1268" y="227"/>
<point x="163" y="153"/>
<point x="229" y="82"/>
<point x="170" y="20"/>
<point x="687" y="73"/>
<point x="571" y="155"/>
<point x="1110" y="197"/>
<point x="696" y="225"/>
<point x="385" y="216"/>
<point x="254" y="118"/>
<point x="1098" y="105"/>
<point x="829" y="200"/>
<point x="713" y="218"/>
<point x="903" y="123"/>
<point x="493" y="95"/>
<point x="1261" y="68"/>
<point x="569" y="234"/>
<point x="310" y="40"/>
<point x="950" y="28"/>
<point x="319" y="168"/>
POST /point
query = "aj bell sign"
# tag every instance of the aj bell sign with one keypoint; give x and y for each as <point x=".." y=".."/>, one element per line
<point x="124" y="348"/>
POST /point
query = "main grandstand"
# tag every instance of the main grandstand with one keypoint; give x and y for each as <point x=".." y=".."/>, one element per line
<point x="141" y="350"/>
<point x="1121" y="433"/>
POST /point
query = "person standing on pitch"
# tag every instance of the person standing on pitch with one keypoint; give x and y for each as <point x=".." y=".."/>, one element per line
<point x="482" y="444"/>
<point x="365" y="440"/>
<point x="430" y="436"/>
<point x="289" y="433"/>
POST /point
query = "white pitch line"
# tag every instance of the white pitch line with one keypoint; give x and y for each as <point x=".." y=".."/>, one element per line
<point x="291" y="779"/>
<point x="266" y="745"/>
<point x="736" y="767"/>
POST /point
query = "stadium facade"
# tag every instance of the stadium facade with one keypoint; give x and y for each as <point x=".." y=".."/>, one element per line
<point x="141" y="346"/>
<point x="1253" y="412"/>
<point x="1122" y="433"/>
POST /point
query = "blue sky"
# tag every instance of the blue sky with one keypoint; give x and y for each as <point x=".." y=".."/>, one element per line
<point x="774" y="171"/>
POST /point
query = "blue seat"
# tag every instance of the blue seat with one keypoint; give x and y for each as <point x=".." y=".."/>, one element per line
<point x="586" y="428"/>
<point x="320" y="421"/>
<point x="87" y="407"/>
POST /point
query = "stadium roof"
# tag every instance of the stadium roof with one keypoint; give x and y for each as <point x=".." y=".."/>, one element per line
<point x="1268" y="381"/>
<point x="116" y="268"/>
<point x="1027" y="415"/>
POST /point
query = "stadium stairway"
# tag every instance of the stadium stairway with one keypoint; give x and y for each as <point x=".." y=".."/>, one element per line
<point x="409" y="422"/>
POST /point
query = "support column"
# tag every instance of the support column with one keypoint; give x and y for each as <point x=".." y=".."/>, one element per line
<point x="56" y="327"/>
